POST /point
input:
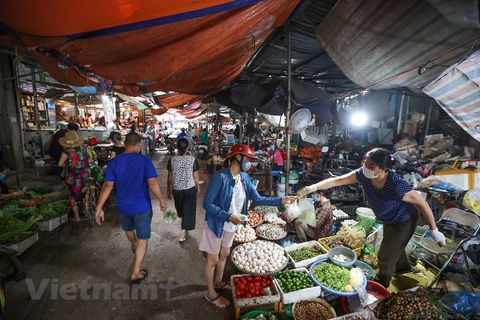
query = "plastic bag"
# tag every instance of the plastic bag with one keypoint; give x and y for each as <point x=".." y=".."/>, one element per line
<point x="169" y="216"/>
<point x="291" y="212"/>
<point x="307" y="212"/>
<point x="459" y="302"/>
<point x="471" y="200"/>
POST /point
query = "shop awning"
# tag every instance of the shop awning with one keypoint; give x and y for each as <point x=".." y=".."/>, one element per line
<point x="457" y="91"/>
<point x="192" y="47"/>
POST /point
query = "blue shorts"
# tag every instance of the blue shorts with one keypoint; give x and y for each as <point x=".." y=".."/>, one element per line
<point x="140" y="223"/>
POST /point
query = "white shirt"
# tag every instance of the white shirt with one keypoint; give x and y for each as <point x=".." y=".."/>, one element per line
<point x="236" y="206"/>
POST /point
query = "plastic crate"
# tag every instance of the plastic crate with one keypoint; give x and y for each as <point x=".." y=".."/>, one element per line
<point x="308" y="262"/>
<point x="358" y="251"/>
<point x="255" y="301"/>
<point x="271" y="307"/>
<point x="295" y="296"/>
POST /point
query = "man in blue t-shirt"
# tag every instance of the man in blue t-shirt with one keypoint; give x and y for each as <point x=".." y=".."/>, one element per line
<point x="134" y="177"/>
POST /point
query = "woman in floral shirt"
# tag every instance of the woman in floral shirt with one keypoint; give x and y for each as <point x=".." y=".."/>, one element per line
<point x="323" y="226"/>
<point x="76" y="159"/>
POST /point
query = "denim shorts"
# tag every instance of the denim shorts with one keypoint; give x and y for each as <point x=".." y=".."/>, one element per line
<point x="140" y="223"/>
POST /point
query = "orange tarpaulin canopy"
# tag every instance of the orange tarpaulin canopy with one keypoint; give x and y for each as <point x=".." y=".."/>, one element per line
<point x="62" y="18"/>
<point x="196" y="56"/>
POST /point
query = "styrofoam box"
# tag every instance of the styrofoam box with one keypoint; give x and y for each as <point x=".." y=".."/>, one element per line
<point x="52" y="224"/>
<point x="23" y="245"/>
<point x="294" y="296"/>
<point x="308" y="262"/>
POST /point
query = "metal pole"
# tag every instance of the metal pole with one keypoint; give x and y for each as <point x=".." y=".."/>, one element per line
<point x="407" y="110"/>
<point x="37" y="114"/>
<point x="240" y="134"/>
<point x="427" y="127"/>
<point x="289" y="104"/>
<point x="399" y="124"/>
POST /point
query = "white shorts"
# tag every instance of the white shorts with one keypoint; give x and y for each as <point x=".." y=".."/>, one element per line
<point x="211" y="244"/>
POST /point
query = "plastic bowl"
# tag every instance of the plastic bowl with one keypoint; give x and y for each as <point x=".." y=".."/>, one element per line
<point x="365" y="265"/>
<point x="347" y="252"/>
<point x="338" y="293"/>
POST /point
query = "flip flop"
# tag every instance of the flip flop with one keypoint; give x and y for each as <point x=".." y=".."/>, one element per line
<point x="218" y="301"/>
<point x="225" y="286"/>
<point x="138" y="281"/>
<point x="182" y="240"/>
<point x="400" y="272"/>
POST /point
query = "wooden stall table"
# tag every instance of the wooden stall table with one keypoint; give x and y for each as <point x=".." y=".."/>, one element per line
<point x="265" y="180"/>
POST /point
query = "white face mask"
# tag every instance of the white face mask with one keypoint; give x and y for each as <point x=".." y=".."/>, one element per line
<point x="370" y="174"/>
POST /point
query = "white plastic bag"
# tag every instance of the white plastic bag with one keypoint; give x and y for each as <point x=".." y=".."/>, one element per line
<point x="291" y="213"/>
<point x="307" y="212"/>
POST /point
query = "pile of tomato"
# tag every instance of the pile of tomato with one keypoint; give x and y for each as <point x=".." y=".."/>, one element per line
<point x="251" y="286"/>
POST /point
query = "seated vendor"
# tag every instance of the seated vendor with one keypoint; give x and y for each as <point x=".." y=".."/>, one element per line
<point x="323" y="226"/>
<point x="255" y="145"/>
<point x="5" y="194"/>
<point x="275" y="157"/>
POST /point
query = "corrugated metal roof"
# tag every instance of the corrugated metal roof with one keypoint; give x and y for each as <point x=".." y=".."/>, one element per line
<point x="310" y="62"/>
<point x="377" y="39"/>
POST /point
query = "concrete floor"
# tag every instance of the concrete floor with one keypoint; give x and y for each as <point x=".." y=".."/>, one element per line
<point x="101" y="255"/>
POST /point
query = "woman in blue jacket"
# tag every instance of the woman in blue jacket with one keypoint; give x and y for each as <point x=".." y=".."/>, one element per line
<point x="226" y="199"/>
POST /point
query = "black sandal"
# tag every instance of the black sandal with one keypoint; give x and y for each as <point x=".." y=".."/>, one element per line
<point x="139" y="280"/>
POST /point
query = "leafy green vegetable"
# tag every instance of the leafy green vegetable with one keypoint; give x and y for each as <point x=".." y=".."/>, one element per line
<point x="52" y="210"/>
<point x="282" y="208"/>
<point x="13" y="229"/>
<point x="304" y="254"/>
<point x="41" y="190"/>
<point x="332" y="276"/>
<point x="33" y="195"/>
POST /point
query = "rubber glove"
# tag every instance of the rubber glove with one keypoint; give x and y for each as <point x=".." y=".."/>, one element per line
<point x="306" y="191"/>
<point x="438" y="237"/>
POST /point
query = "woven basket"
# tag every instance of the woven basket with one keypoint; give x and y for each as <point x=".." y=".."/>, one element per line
<point x="241" y="242"/>
<point x="268" y="273"/>
<point x="272" y="239"/>
<point x="333" y="314"/>
<point x="255" y="225"/>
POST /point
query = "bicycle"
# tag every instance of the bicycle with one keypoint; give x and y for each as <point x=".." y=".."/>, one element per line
<point x="90" y="201"/>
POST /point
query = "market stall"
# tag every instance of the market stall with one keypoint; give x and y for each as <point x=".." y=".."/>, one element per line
<point x="280" y="278"/>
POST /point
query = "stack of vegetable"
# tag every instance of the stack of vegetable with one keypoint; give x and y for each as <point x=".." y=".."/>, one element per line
<point x="304" y="254"/>
<point x="408" y="305"/>
<point x="44" y="212"/>
<point x="251" y="286"/>
<point x="244" y="234"/>
<point x="352" y="236"/>
<point x="13" y="229"/>
<point x="259" y="257"/>
<point x="294" y="280"/>
<point x="338" y="278"/>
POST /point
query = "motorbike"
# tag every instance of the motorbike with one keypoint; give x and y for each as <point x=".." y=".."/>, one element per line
<point x="10" y="272"/>
<point x="160" y="140"/>
<point x="201" y="149"/>
<point x="171" y="146"/>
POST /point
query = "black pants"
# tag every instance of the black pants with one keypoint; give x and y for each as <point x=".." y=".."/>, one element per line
<point x="391" y="255"/>
<point x="186" y="205"/>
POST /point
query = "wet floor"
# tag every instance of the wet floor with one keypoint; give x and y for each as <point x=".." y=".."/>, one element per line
<point x="80" y="273"/>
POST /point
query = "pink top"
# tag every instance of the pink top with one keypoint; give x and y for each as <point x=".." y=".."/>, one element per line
<point x="277" y="157"/>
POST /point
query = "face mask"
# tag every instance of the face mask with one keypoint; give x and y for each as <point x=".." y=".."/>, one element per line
<point x="315" y="198"/>
<point x="272" y="148"/>
<point x="245" y="165"/>
<point x="2" y="177"/>
<point x="370" y="174"/>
